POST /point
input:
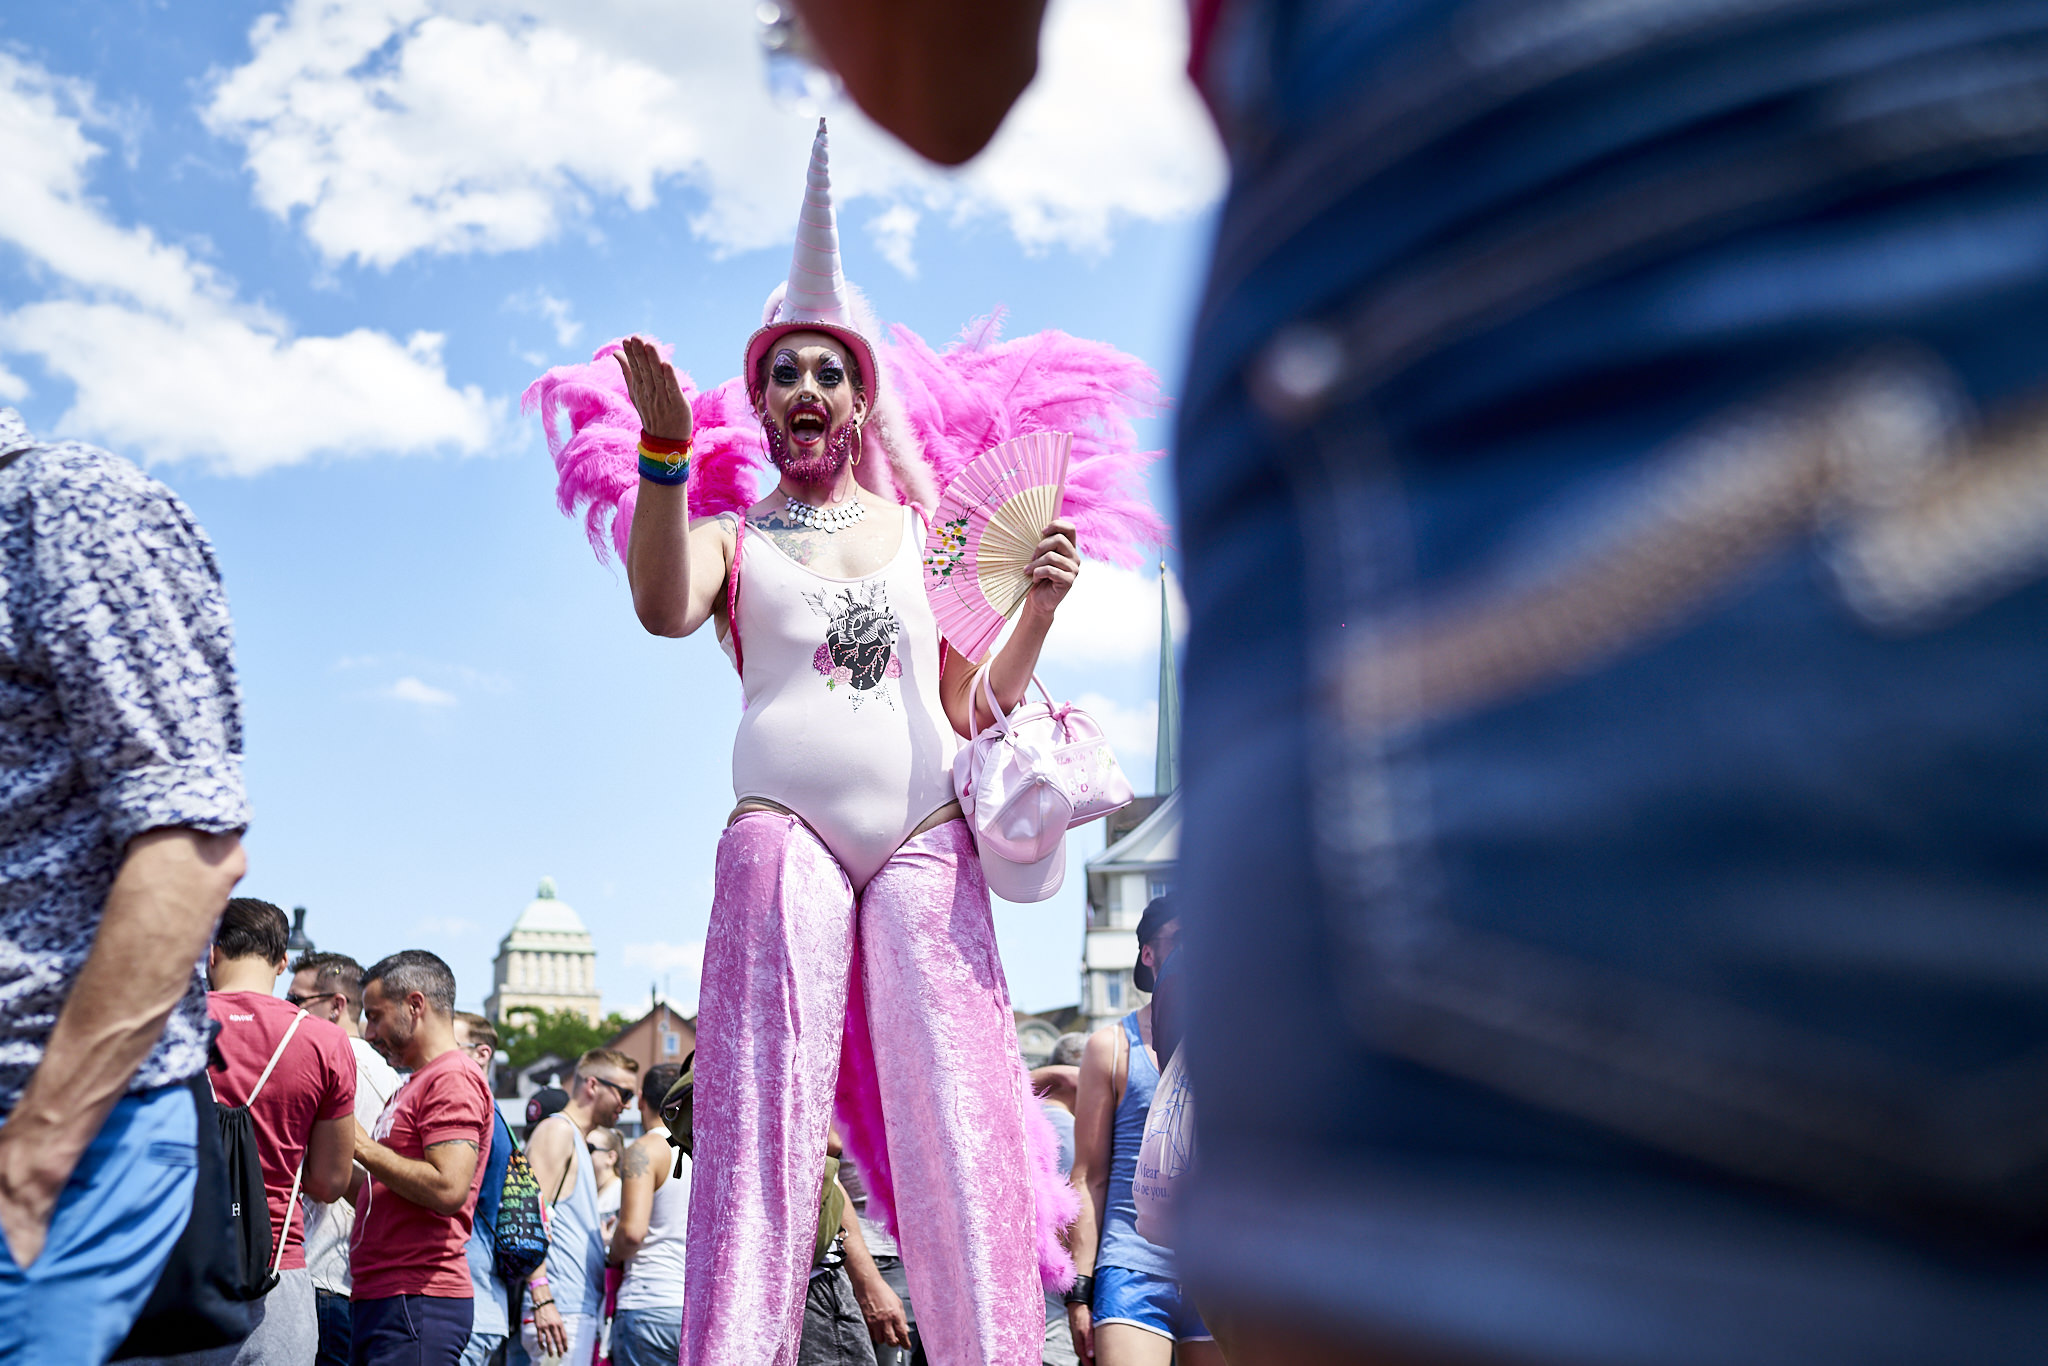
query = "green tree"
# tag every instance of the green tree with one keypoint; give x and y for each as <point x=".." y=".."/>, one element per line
<point x="531" y="1034"/>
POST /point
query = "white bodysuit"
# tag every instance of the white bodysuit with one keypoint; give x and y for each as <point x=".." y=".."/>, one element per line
<point x="843" y="722"/>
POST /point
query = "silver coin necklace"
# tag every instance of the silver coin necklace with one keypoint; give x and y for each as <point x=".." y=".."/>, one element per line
<point x="825" y="519"/>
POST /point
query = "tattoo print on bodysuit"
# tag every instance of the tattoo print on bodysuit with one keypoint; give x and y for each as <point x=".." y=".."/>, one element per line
<point x="860" y="641"/>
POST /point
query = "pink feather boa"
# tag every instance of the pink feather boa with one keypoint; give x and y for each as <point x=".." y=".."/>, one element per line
<point x="943" y="406"/>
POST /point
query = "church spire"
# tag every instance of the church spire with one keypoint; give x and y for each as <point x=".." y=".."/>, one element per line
<point x="1166" y="764"/>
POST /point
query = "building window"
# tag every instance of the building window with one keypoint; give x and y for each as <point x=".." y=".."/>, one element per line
<point x="671" y="1044"/>
<point x="1159" y="886"/>
<point x="1116" y="992"/>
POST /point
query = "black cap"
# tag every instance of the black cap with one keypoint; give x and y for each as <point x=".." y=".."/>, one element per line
<point x="544" y="1102"/>
<point x="1158" y="915"/>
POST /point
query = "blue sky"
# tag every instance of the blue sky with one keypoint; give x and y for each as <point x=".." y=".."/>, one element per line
<point x="301" y="258"/>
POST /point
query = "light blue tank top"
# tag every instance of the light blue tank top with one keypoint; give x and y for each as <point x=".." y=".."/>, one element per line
<point x="576" y="1240"/>
<point x="1120" y="1244"/>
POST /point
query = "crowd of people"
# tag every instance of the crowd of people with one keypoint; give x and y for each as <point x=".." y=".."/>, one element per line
<point x="383" y="1163"/>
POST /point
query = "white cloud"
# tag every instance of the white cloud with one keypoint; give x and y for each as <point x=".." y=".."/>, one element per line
<point x="392" y="127"/>
<point x="13" y="388"/>
<point x="410" y="689"/>
<point x="166" y="361"/>
<point x="556" y="312"/>
<point x="895" y="232"/>
<point x="1112" y="617"/>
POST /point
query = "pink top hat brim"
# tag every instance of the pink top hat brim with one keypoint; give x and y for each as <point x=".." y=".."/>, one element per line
<point x="863" y="353"/>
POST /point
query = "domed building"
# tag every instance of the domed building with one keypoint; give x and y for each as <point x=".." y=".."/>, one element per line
<point x="547" y="961"/>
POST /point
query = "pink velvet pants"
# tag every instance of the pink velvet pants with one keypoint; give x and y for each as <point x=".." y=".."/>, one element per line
<point x="905" y="987"/>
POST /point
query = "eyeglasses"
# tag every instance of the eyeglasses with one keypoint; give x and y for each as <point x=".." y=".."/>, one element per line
<point x="624" y="1093"/>
<point x="302" y="1001"/>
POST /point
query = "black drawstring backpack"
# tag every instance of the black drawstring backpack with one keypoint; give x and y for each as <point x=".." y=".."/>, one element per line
<point x="225" y="1257"/>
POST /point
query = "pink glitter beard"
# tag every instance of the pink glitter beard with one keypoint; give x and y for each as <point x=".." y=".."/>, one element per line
<point x="811" y="469"/>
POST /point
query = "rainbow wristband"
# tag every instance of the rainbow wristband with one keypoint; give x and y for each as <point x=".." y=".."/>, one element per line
<point x="665" y="467"/>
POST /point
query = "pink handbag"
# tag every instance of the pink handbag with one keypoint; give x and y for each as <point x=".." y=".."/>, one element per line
<point x="1033" y="774"/>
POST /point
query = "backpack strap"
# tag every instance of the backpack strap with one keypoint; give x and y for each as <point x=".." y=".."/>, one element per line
<point x="291" y="1203"/>
<point x="299" y="1175"/>
<point x="271" y="1066"/>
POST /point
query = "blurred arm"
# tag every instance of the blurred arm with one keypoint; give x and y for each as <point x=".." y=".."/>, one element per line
<point x="168" y="895"/>
<point x="939" y="74"/>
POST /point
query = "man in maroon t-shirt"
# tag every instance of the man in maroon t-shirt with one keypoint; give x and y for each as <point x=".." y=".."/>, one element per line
<point x="304" y="1116"/>
<point x="411" y="1302"/>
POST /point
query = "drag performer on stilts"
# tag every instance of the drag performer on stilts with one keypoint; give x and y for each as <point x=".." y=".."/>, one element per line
<point x="851" y="959"/>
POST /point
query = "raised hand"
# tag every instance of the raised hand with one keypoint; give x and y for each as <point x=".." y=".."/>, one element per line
<point x="656" y="392"/>
<point x="1054" y="567"/>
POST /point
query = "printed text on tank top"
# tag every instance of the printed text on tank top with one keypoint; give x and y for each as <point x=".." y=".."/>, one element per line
<point x="844" y="728"/>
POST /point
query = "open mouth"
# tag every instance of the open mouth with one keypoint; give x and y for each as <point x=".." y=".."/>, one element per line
<point x="807" y="425"/>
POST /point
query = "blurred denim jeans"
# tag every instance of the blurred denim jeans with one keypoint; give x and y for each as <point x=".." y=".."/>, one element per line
<point x="1615" y="519"/>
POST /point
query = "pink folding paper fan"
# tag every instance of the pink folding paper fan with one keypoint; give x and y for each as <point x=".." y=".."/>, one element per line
<point x="985" y="533"/>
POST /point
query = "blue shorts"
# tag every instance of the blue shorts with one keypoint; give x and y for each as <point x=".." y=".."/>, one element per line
<point x="1153" y="1303"/>
<point x="648" y="1337"/>
<point x="125" y="1205"/>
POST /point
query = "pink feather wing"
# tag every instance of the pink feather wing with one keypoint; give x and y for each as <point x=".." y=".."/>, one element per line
<point x="594" y="436"/>
<point x="955" y="405"/>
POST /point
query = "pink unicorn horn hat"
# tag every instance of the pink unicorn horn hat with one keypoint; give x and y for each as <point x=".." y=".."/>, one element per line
<point x="816" y="298"/>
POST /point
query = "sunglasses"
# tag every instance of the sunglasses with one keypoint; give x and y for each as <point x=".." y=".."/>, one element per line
<point x="624" y="1093"/>
<point x="302" y="1001"/>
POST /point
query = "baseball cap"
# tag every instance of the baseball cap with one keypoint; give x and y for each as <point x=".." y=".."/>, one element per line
<point x="544" y="1102"/>
<point x="1021" y="881"/>
<point x="1158" y="915"/>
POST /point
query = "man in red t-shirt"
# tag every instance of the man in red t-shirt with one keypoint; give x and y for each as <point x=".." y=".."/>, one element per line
<point x="304" y="1116"/>
<point x="411" y="1301"/>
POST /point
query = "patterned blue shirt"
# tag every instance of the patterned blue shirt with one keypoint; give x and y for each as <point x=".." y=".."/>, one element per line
<point x="118" y="714"/>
